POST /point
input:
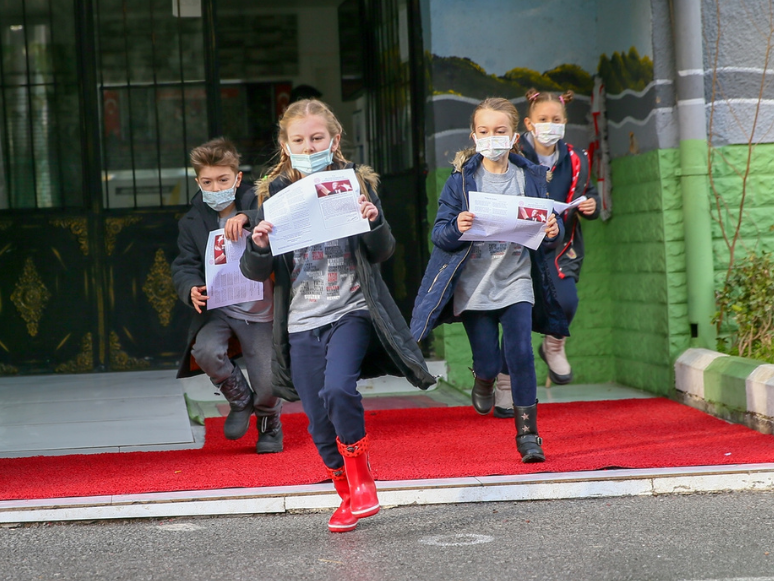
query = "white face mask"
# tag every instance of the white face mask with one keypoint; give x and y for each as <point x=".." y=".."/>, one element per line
<point x="494" y="146"/>
<point x="548" y="133"/>
<point x="309" y="164"/>
<point x="219" y="200"/>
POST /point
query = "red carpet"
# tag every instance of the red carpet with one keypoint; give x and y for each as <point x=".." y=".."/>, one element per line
<point x="409" y="444"/>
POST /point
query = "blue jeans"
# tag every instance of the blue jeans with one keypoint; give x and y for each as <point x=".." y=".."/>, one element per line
<point x="325" y="365"/>
<point x="482" y="328"/>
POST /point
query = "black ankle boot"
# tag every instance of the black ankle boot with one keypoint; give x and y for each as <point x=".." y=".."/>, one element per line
<point x="269" y="435"/>
<point x="527" y="440"/>
<point x="483" y="395"/>
<point x="240" y="397"/>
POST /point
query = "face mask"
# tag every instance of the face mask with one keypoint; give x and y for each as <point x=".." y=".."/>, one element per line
<point x="548" y="133"/>
<point x="219" y="200"/>
<point x="495" y="146"/>
<point x="309" y="164"/>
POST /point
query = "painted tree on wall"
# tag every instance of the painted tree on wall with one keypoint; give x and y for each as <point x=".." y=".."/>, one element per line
<point x="625" y="71"/>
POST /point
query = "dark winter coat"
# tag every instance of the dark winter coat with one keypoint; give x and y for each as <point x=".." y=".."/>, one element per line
<point x="568" y="256"/>
<point x="396" y="353"/>
<point x="188" y="268"/>
<point x="434" y="302"/>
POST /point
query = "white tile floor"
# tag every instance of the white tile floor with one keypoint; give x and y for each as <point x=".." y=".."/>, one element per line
<point x="99" y="412"/>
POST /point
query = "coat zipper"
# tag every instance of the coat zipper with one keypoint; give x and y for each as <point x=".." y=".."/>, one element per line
<point x="435" y="280"/>
<point x="470" y="246"/>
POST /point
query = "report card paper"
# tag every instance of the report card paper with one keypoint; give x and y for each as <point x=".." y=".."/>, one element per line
<point x="316" y="209"/>
<point x="504" y="218"/>
<point x="226" y="285"/>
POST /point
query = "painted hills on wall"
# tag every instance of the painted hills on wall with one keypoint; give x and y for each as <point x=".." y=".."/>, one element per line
<point x="462" y="76"/>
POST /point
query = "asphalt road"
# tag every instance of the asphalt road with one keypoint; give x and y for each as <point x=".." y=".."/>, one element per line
<point x="674" y="538"/>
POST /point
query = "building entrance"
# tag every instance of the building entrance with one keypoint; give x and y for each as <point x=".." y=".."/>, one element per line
<point x="100" y="103"/>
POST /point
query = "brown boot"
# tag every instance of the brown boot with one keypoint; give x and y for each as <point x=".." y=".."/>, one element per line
<point x="483" y="395"/>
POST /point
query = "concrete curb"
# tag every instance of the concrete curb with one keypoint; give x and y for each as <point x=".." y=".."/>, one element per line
<point x="321" y="497"/>
<point x="733" y="388"/>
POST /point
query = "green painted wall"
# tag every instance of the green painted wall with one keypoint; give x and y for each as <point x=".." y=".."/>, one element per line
<point x="646" y="253"/>
<point x="758" y="219"/>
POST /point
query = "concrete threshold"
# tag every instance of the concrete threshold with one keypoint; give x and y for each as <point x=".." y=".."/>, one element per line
<point x="319" y="497"/>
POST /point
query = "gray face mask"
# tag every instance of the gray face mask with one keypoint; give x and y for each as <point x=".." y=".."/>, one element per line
<point x="219" y="200"/>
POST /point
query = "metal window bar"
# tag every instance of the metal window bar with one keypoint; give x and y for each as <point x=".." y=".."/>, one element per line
<point x="182" y="100"/>
<point x="57" y="124"/>
<point x="101" y="71"/>
<point x="130" y="124"/>
<point x="30" y="122"/>
<point x="6" y="131"/>
<point x="156" y="103"/>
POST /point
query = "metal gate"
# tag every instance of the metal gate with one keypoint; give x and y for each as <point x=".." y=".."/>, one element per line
<point x="100" y="102"/>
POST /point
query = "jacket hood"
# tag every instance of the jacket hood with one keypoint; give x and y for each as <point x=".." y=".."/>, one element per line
<point x="469" y="160"/>
<point x="266" y="187"/>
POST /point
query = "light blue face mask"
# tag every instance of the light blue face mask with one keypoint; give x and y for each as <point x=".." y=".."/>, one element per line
<point x="219" y="200"/>
<point x="309" y="164"/>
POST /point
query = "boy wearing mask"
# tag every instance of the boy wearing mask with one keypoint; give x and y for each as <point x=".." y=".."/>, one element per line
<point x="217" y="173"/>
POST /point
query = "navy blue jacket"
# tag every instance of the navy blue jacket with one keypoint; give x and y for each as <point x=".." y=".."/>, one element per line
<point x="433" y="305"/>
<point x="568" y="256"/>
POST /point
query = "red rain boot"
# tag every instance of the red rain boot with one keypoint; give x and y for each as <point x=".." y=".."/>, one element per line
<point x="342" y="519"/>
<point x="362" y="489"/>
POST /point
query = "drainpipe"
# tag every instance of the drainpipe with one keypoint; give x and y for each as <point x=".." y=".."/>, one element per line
<point x="694" y="177"/>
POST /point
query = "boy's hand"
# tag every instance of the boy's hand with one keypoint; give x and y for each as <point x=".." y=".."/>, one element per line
<point x="198" y="297"/>
<point x="261" y="234"/>
<point x="368" y="209"/>
<point x="233" y="229"/>
<point x="465" y="221"/>
<point x="552" y="228"/>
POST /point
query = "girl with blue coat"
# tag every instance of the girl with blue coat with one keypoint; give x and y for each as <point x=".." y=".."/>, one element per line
<point x="491" y="284"/>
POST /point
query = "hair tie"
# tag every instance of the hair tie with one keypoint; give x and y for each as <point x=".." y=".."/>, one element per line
<point x="561" y="99"/>
<point x="534" y="96"/>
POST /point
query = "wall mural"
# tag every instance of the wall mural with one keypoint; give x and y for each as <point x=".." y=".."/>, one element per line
<point x="503" y="52"/>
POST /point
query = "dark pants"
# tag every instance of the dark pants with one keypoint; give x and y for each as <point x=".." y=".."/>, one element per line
<point x="325" y="365"/>
<point x="482" y="328"/>
<point x="566" y="292"/>
<point x="211" y="353"/>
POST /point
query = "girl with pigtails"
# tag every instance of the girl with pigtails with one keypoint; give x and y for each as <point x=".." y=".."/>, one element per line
<point x="568" y="179"/>
<point x="327" y="336"/>
<point x="488" y="285"/>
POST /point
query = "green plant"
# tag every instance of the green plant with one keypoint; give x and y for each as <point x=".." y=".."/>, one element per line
<point x="746" y="299"/>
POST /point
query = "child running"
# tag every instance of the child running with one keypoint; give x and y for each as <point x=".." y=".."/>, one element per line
<point x="491" y="284"/>
<point x="568" y="167"/>
<point x="324" y="344"/>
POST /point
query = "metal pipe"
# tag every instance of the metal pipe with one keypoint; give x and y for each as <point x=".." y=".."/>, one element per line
<point x="694" y="171"/>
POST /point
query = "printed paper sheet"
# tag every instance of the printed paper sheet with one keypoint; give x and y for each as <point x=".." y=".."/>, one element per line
<point x="225" y="283"/>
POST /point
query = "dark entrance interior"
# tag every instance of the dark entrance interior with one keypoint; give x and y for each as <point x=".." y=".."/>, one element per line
<point x="100" y="102"/>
